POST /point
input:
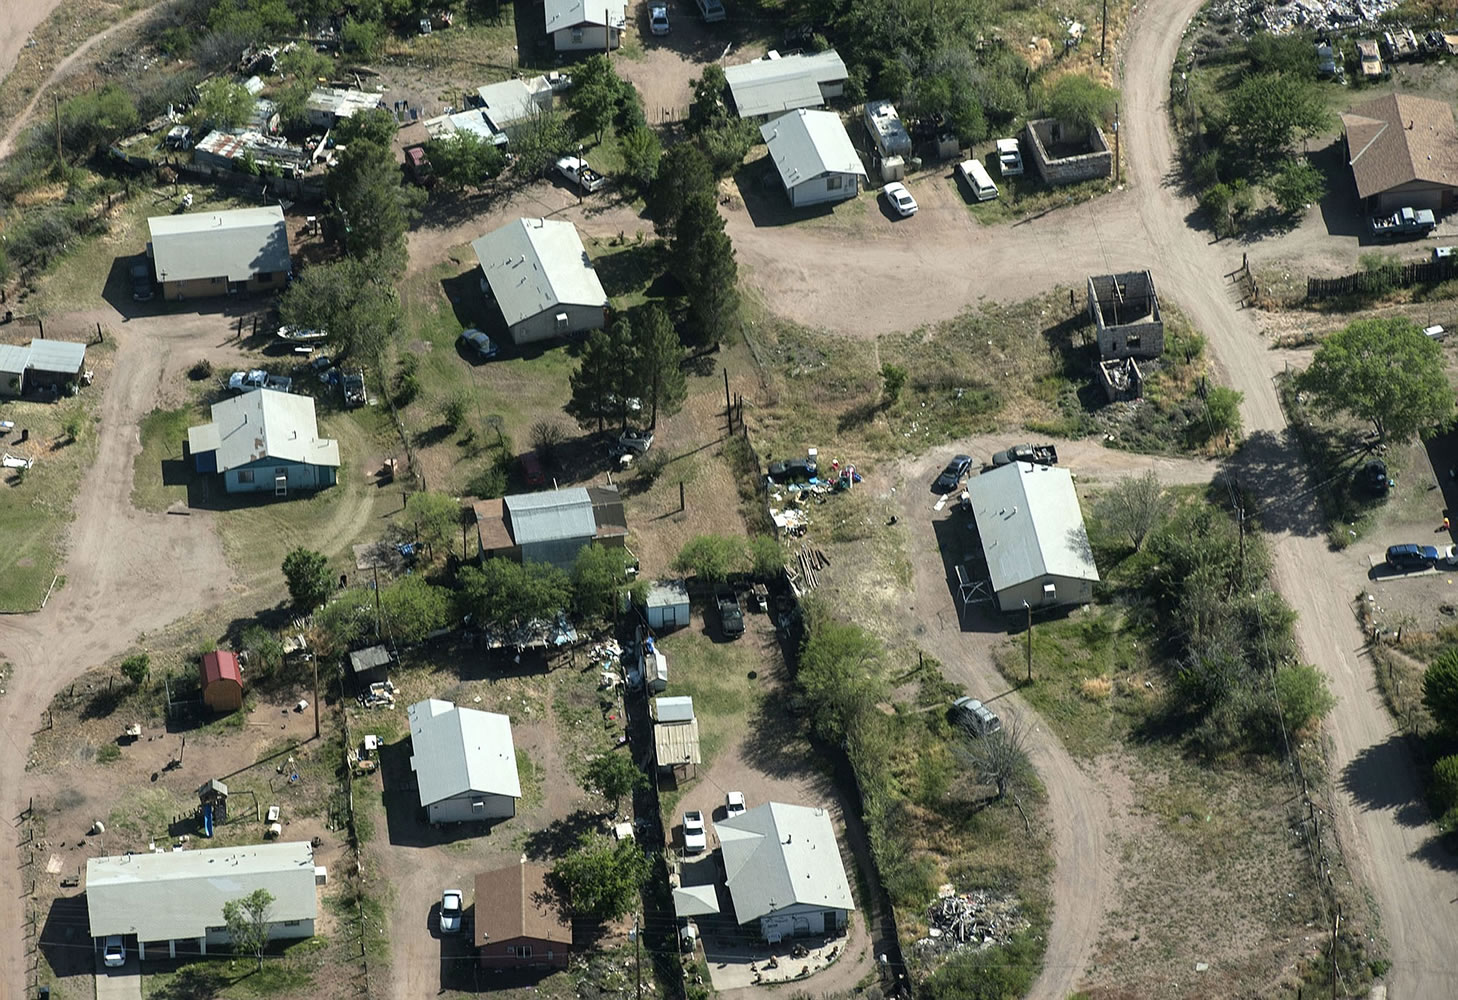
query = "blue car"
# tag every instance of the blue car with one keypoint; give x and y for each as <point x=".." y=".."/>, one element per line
<point x="1410" y="557"/>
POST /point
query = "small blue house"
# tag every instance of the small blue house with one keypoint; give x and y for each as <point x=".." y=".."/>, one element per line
<point x="265" y="441"/>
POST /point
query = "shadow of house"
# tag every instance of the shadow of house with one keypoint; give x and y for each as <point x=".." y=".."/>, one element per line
<point x="64" y="940"/>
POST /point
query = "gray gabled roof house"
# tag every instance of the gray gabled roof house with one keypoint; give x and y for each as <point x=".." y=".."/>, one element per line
<point x="551" y="526"/>
<point x="814" y="156"/>
<point x="157" y="900"/>
<point x="774" y="84"/>
<point x="541" y="278"/>
<point x="214" y="253"/>
<point x="784" y="870"/>
<point x="1033" y="536"/>
<point x="464" y="762"/>
<point x="41" y="364"/>
<point x="265" y="440"/>
<point x="585" y="25"/>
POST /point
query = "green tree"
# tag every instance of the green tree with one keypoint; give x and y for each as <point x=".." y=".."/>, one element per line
<point x="641" y="155"/>
<point x="263" y="647"/>
<point x="374" y="125"/>
<point x="539" y="140"/>
<point x="893" y="377"/>
<point x="726" y="142"/>
<point x="1269" y="111"/>
<point x="249" y="920"/>
<point x="347" y="619"/>
<point x="222" y="104"/>
<point x="599" y="579"/>
<point x="1302" y="693"/>
<point x="1297" y="185"/>
<point x="463" y="160"/>
<point x="1382" y="370"/>
<point x="1080" y="101"/>
<point x="371" y="206"/>
<point x="301" y="68"/>
<point x="594" y="96"/>
<point x="350" y="299"/>
<point x="613" y="776"/>
<point x="436" y="518"/>
<point x="455" y="409"/>
<point x="703" y="260"/>
<point x="1440" y="690"/>
<point x="307" y="574"/>
<point x="1222" y="414"/>
<point x="136" y="668"/>
<point x="592" y="383"/>
<point x="711" y="558"/>
<point x="658" y="364"/>
<point x="92" y="120"/>
<point x="766" y="557"/>
<point x="708" y="107"/>
<point x="362" y="37"/>
<point x="839" y="672"/>
<point x="411" y="609"/>
<point x="602" y="879"/>
<point x="684" y="173"/>
<point x="1134" y="507"/>
<point x="500" y="593"/>
<point x="1445" y="788"/>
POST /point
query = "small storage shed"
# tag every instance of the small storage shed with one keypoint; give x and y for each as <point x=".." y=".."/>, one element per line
<point x="667" y="605"/>
<point x="369" y="665"/>
<point x="222" y="681"/>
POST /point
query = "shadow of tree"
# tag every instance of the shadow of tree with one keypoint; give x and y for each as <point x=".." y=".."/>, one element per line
<point x="561" y="835"/>
<point x="193" y="982"/>
<point x="1383" y="777"/>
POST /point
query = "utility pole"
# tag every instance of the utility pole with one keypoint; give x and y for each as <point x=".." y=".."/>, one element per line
<point x="1116" y="141"/>
<point x="728" y="407"/>
<point x="638" y="953"/>
<point x="377" y="601"/>
<point x="315" y="660"/>
<point x="1336" y="920"/>
<point x="1030" y="640"/>
<point x="1103" y="32"/>
<point x="59" y="158"/>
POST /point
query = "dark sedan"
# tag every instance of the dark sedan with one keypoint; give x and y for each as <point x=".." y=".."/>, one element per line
<point x="952" y="475"/>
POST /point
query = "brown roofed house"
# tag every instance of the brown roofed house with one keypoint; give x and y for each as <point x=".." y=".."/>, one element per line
<point x="1403" y="151"/>
<point x="519" y="923"/>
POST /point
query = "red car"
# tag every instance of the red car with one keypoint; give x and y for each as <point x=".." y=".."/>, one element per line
<point x="531" y="469"/>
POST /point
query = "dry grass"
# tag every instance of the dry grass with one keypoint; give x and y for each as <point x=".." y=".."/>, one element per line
<point x="1097" y="688"/>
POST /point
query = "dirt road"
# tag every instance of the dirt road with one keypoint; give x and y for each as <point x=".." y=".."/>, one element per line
<point x="127" y="572"/>
<point x="1387" y="834"/>
<point x="18" y="18"/>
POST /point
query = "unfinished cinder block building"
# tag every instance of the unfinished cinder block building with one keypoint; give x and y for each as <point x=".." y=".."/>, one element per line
<point x="1125" y="311"/>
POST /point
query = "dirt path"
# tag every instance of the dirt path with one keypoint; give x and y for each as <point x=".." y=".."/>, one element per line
<point x="1386" y="831"/>
<point x="127" y="572"/>
<point x="18" y="18"/>
<point x="42" y="9"/>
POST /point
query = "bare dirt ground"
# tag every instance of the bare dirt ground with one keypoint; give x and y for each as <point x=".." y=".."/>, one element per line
<point x="18" y="18"/>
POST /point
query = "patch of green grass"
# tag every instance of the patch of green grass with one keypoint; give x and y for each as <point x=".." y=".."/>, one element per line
<point x="108" y="753"/>
<point x="1089" y="672"/>
<point x="36" y="503"/>
<point x="144" y="814"/>
<point x="531" y="779"/>
<point x="1021" y="197"/>
<point x="162" y="432"/>
<point x="291" y="970"/>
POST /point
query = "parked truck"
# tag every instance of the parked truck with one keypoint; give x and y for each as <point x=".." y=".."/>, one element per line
<point x="354" y="389"/>
<point x="576" y="171"/>
<point x="1404" y="223"/>
<point x="1037" y="454"/>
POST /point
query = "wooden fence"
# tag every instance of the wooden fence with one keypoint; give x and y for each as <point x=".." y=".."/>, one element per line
<point x="1382" y="279"/>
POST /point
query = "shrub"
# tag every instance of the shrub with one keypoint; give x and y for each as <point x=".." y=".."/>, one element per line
<point x="200" y="370"/>
<point x="1445" y="784"/>
<point x="136" y="667"/>
<point x="1303" y="695"/>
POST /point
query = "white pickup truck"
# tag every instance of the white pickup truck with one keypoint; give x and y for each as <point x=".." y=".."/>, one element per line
<point x="578" y="173"/>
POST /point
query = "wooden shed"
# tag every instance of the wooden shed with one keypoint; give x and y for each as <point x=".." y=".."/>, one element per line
<point x="222" y="681"/>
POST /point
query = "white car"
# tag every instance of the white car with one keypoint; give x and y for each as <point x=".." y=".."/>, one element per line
<point x="114" y="954"/>
<point x="900" y="198"/>
<point x="658" y="18"/>
<point x="1009" y="158"/>
<point x="734" y="804"/>
<point x="450" y="911"/>
<point x="695" y="838"/>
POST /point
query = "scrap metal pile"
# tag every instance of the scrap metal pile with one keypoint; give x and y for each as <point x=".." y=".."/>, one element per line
<point x="1313" y="14"/>
<point x="977" y="919"/>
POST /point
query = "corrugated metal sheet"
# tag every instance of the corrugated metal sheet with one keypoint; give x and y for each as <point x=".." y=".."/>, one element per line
<point x="13" y="358"/>
<point x="533" y="265"/>
<point x="807" y="144"/>
<point x="220" y="665"/>
<point x="770" y="86"/>
<point x="266" y="424"/>
<point x="779" y="855"/>
<point x="236" y="244"/>
<point x="459" y="750"/>
<point x="61" y="356"/>
<point x="553" y="515"/>
<point x="1031" y="525"/>
<point x="677" y="743"/>
<point x="173" y="896"/>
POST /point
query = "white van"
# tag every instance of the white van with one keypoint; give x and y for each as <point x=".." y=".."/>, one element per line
<point x="713" y="10"/>
<point x="978" y="180"/>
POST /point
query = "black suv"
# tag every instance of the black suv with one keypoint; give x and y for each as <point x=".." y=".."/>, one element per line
<point x="731" y="618"/>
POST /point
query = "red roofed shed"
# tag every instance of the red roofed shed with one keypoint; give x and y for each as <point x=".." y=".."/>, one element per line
<point x="222" y="681"/>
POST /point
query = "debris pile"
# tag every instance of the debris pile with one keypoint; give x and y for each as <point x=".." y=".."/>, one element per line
<point x="381" y="694"/>
<point x="1303" y="14"/>
<point x="977" y="919"/>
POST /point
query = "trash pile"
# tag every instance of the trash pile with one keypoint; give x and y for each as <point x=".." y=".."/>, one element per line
<point x="794" y="484"/>
<point x="538" y="633"/>
<point x="977" y="919"/>
<point x="381" y="694"/>
<point x="1313" y="14"/>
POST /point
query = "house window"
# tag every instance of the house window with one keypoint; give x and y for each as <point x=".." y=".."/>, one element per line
<point x="833" y="182"/>
<point x="525" y="951"/>
<point x="217" y="930"/>
<point x="577" y="36"/>
<point x="292" y="923"/>
<point x="478" y="805"/>
<point x="511" y="950"/>
<point x="245" y="476"/>
<point x="1133" y="343"/>
<point x="219" y="281"/>
<point x="561" y="322"/>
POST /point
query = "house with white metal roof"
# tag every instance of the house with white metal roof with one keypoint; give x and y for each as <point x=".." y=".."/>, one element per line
<point x="217" y="253"/>
<point x="512" y="102"/>
<point x="541" y="278"/>
<point x="464" y="762"/>
<point x="784" y="871"/>
<point x="40" y="365"/>
<point x="814" y="156"/>
<point x="1033" y="536"/>
<point x="586" y="25"/>
<point x="265" y="440"/>
<point x="774" y="84"/>
<point x="163" y="898"/>
<point x="328" y="106"/>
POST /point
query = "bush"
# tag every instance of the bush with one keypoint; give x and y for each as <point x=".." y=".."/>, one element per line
<point x="489" y="483"/>
<point x="650" y="467"/>
<point x="1440" y="690"/>
<point x="454" y="410"/>
<point x="1297" y="185"/>
<point x="1445" y="785"/>
<point x="136" y="667"/>
<point x="1303" y="695"/>
<point x="200" y="370"/>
